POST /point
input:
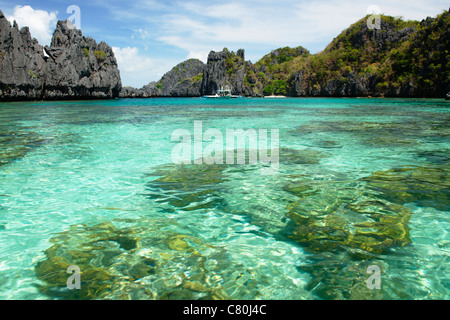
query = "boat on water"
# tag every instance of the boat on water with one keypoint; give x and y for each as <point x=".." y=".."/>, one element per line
<point x="222" y="93"/>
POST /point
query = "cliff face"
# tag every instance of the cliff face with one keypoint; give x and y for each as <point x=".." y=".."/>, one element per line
<point x="214" y="75"/>
<point x="22" y="64"/>
<point x="184" y="80"/>
<point x="148" y="91"/>
<point x="73" y="67"/>
<point x="402" y="59"/>
<point x="79" y="67"/>
<point x="350" y="65"/>
<point x="228" y="69"/>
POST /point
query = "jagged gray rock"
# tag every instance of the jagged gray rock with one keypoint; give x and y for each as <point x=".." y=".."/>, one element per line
<point x="214" y="76"/>
<point x="183" y="80"/>
<point x="148" y="91"/>
<point x="79" y="67"/>
<point x="73" y="67"/>
<point x="227" y="69"/>
<point x="21" y="63"/>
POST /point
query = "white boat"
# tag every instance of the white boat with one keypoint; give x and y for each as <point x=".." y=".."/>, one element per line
<point x="222" y="93"/>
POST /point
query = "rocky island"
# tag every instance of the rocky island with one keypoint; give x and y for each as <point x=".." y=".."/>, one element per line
<point x="73" y="67"/>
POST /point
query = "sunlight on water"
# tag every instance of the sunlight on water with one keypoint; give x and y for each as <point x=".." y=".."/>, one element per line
<point x="360" y="182"/>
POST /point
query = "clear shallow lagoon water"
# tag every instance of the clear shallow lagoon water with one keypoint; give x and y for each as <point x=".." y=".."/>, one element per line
<point x="361" y="182"/>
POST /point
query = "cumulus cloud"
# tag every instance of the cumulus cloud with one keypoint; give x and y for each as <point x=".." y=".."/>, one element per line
<point x="40" y="22"/>
<point x="130" y="60"/>
<point x="137" y="69"/>
<point x="312" y="24"/>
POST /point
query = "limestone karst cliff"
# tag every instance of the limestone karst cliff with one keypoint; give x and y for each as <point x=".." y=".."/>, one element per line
<point x="72" y="67"/>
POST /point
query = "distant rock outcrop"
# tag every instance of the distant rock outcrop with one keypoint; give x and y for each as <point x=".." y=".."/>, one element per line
<point x="401" y="59"/>
<point x="228" y="69"/>
<point x="184" y="80"/>
<point x="215" y="75"/>
<point x="148" y="91"/>
<point x="73" y="67"/>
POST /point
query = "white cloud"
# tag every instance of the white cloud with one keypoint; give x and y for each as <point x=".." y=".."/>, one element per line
<point x="40" y="22"/>
<point x="201" y="28"/>
<point x="141" y="34"/>
<point x="137" y="70"/>
<point x="200" y="55"/>
<point x="312" y="24"/>
<point x="129" y="59"/>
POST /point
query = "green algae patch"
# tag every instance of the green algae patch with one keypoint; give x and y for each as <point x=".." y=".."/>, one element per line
<point x="328" y="218"/>
<point x="439" y="157"/>
<point x="437" y="126"/>
<point x="328" y="144"/>
<point x="426" y="186"/>
<point x="200" y="186"/>
<point x="300" y="156"/>
<point x="380" y="134"/>
<point x="138" y="261"/>
<point x="93" y="256"/>
<point x="338" y="278"/>
<point x="347" y="225"/>
<point x="344" y="226"/>
<point x="390" y="140"/>
<point x="16" y="144"/>
<point x="189" y="187"/>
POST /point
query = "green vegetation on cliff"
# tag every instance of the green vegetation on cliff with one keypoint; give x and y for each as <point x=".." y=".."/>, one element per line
<point x="276" y="68"/>
<point x="402" y="58"/>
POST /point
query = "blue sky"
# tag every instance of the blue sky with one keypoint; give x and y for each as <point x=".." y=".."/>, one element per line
<point x="149" y="37"/>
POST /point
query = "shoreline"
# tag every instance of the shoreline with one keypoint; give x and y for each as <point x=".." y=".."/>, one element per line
<point x="200" y="97"/>
<point x="270" y="98"/>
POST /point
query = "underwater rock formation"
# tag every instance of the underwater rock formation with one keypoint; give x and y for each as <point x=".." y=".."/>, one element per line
<point x="188" y="187"/>
<point x="192" y="187"/>
<point x="426" y="186"/>
<point x="336" y="215"/>
<point x="132" y="259"/>
<point x="347" y="225"/>
<point x="16" y="144"/>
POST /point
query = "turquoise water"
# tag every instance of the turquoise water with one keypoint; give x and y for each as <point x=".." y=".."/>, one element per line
<point x="361" y="182"/>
